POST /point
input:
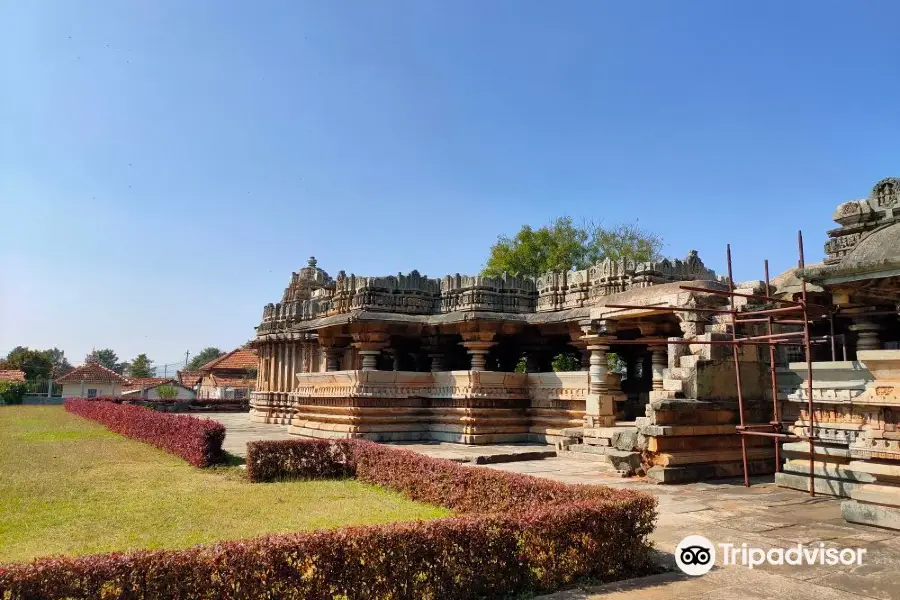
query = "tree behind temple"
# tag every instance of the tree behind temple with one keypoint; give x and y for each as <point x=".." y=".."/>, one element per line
<point x="562" y="245"/>
<point x="141" y="367"/>
<point x="203" y="357"/>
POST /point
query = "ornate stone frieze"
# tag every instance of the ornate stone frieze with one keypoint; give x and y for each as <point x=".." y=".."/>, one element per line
<point x="858" y="218"/>
<point x="405" y="384"/>
<point x="312" y="294"/>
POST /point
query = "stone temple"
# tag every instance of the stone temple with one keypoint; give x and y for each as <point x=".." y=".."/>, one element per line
<point x="647" y="388"/>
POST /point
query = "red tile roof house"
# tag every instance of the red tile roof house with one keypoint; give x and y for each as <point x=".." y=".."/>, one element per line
<point x="12" y="375"/>
<point x="231" y="376"/>
<point x="189" y="379"/>
<point x="146" y="388"/>
<point x="90" y="381"/>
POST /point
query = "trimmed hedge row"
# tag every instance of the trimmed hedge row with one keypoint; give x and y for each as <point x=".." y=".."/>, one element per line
<point x="201" y="402"/>
<point x="198" y="441"/>
<point x="514" y="534"/>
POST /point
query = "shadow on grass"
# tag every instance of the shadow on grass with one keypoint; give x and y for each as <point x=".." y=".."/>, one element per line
<point x="233" y="460"/>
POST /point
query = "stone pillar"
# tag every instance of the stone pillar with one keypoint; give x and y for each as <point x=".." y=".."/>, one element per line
<point x="286" y="379"/>
<point x="369" y="358"/>
<point x="579" y="344"/>
<point x="333" y="358"/>
<point x="395" y="355"/>
<point x="658" y="361"/>
<point x="369" y="345"/>
<point x="598" y="368"/>
<point x="432" y="348"/>
<point x="271" y="383"/>
<point x="478" y="344"/>
<point x="599" y="403"/>
<point x="295" y="364"/>
<point x="867" y="333"/>
<point x="437" y="361"/>
<point x="478" y="352"/>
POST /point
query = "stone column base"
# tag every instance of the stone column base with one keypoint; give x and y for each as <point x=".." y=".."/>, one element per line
<point x="599" y="410"/>
<point x="854" y="511"/>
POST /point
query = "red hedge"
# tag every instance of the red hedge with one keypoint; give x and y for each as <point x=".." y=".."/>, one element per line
<point x="515" y="535"/>
<point x="198" y="441"/>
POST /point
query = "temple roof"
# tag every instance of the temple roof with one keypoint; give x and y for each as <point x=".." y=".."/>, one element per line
<point x="875" y="255"/>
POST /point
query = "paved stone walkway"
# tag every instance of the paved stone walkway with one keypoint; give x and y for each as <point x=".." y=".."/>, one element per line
<point x="239" y="430"/>
<point x="724" y="511"/>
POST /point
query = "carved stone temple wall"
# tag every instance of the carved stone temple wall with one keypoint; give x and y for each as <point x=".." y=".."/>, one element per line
<point x="410" y="357"/>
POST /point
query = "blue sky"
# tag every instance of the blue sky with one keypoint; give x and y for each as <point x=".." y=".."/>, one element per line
<point x="165" y="165"/>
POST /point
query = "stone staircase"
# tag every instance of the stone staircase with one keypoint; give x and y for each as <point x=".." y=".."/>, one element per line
<point x="612" y="448"/>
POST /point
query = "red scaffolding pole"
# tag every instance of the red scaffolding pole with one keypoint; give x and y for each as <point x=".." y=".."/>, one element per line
<point x="780" y="315"/>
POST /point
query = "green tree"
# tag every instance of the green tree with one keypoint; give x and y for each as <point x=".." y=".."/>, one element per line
<point x="107" y="358"/>
<point x="141" y="366"/>
<point x="566" y="362"/>
<point x="35" y="363"/>
<point x="167" y="392"/>
<point x="61" y="365"/>
<point x="562" y="245"/>
<point x="203" y="357"/>
<point x="627" y="240"/>
<point x="555" y="247"/>
<point x="12" y="392"/>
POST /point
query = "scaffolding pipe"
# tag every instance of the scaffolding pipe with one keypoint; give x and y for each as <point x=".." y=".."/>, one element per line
<point x="809" y="374"/>
<point x="733" y="294"/>
<point x="737" y="365"/>
<point x="769" y="329"/>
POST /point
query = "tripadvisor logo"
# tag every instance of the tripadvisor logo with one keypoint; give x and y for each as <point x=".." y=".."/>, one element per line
<point x="696" y="555"/>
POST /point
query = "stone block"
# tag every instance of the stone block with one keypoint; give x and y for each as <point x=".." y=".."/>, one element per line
<point x="672" y="385"/>
<point x="691" y="473"/>
<point x="819" y="449"/>
<point x="827" y="470"/>
<point x="662" y="395"/>
<point x="625" y="462"/>
<point x="591" y="441"/>
<point x="829" y="487"/>
<point x="878" y="469"/>
<point x="625" y="438"/>
<point x="870" y="514"/>
<point x="688" y="362"/>
<point x="877" y="494"/>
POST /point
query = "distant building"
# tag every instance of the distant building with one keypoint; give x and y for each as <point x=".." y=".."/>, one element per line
<point x="91" y="381"/>
<point x="146" y="388"/>
<point x="231" y="376"/>
<point x="12" y="375"/>
<point x="189" y="379"/>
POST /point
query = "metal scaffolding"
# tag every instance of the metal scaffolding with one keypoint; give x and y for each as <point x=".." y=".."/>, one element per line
<point x="788" y="312"/>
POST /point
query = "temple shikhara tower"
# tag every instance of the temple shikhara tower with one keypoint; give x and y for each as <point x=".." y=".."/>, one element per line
<point x="625" y="360"/>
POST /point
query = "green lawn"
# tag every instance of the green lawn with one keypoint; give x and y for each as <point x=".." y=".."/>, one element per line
<point x="68" y="486"/>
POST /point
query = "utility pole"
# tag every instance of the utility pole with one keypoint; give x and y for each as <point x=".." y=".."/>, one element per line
<point x="187" y="355"/>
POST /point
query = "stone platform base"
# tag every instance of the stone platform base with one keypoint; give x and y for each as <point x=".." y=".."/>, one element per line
<point x="831" y="479"/>
<point x="871" y="514"/>
<point x="702" y="472"/>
